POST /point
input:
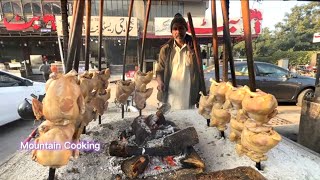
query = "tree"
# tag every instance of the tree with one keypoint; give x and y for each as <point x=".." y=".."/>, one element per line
<point x="293" y="34"/>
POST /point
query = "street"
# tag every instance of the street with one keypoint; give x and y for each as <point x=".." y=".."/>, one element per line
<point x="11" y="135"/>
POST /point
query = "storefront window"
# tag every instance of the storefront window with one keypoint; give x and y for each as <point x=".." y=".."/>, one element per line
<point x="35" y="9"/>
<point x="51" y="8"/>
<point x="164" y="8"/>
<point x="11" y="8"/>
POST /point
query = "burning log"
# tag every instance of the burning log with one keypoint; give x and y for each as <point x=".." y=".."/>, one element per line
<point x="192" y="160"/>
<point x="181" y="139"/>
<point x="135" y="166"/>
<point x="173" y="144"/>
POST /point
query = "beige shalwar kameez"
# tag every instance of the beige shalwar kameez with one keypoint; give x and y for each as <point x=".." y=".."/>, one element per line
<point x="179" y="85"/>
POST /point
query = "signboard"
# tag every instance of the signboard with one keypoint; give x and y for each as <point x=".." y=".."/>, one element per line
<point x="111" y="26"/>
<point x="202" y="26"/>
<point x="316" y="37"/>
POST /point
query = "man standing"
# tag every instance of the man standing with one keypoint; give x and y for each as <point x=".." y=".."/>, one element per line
<point x="45" y="69"/>
<point x="177" y="72"/>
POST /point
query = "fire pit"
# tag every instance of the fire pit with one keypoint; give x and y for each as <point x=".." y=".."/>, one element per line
<point x="153" y="145"/>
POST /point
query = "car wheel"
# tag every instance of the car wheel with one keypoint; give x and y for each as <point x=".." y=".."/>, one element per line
<point x="306" y="94"/>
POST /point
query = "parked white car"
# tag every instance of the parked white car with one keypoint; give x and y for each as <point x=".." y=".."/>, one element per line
<point x="13" y="91"/>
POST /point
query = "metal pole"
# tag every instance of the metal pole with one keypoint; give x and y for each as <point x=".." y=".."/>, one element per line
<point x="146" y="19"/>
<point x="52" y="172"/>
<point x="125" y="49"/>
<point x="100" y="39"/>
<point x="87" y="40"/>
<point x="62" y="55"/>
<point x="145" y="30"/>
<point x="248" y="43"/>
<point x="227" y="39"/>
<point x="215" y="40"/>
<point x="77" y="34"/>
<point x="77" y="55"/>
<point x="65" y="31"/>
<point x="197" y="51"/>
<point x="100" y="33"/>
<point x="126" y="40"/>
<point x="224" y="63"/>
<point x="74" y="10"/>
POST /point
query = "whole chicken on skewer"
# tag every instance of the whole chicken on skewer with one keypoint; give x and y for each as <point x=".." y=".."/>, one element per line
<point x="205" y="105"/>
<point x="56" y="136"/>
<point x="142" y="79"/>
<point x="260" y="106"/>
<point x="220" y="116"/>
<point x="123" y="90"/>
<point x="140" y="98"/>
<point x="63" y="102"/>
<point x="238" y="116"/>
<point x="257" y="138"/>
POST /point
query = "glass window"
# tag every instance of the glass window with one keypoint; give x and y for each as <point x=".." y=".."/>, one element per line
<point x="180" y="8"/>
<point x="241" y="70"/>
<point x="125" y="7"/>
<point x="11" y="7"/>
<point x="27" y="8"/>
<point x="108" y="9"/>
<point x="35" y="8"/>
<point x="47" y="9"/>
<point x="56" y="9"/>
<point x="8" y="81"/>
<point x="271" y="71"/>
<point x="51" y="8"/>
<point x="164" y="8"/>
<point x="175" y="8"/>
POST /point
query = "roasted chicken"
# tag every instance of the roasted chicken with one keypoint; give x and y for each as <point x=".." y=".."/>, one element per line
<point x="260" y="106"/>
<point x="140" y="98"/>
<point x="56" y="136"/>
<point x="205" y="105"/>
<point x="123" y="90"/>
<point x="63" y="102"/>
<point x="256" y="140"/>
<point x="141" y="80"/>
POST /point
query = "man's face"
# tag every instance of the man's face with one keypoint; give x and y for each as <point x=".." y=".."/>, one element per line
<point x="178" y="31"/>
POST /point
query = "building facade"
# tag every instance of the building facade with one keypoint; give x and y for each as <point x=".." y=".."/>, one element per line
<point x="29" y="27"/>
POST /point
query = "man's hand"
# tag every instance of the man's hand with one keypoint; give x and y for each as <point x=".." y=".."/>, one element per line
<point x="160" y="86"/>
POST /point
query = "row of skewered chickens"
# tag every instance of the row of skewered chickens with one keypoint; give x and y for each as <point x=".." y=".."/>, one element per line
<point x="248" y="112"/>
<point x="138" y="88"/>
<point x="71" y="102"/>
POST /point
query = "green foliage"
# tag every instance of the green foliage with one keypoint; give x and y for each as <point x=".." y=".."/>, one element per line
<point x="291" y="39"/>
<point x="295" y="57"/>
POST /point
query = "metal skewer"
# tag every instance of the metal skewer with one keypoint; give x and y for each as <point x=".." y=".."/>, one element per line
<point x="125" y="49"/>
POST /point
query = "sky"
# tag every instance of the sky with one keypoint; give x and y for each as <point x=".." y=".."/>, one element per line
<point x="273" y="11"/>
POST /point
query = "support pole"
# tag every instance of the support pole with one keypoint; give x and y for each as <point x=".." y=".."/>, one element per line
<point x="145" y="30"/>
<point x="146" y="19"/>
<point x="52" y="172"/>
<point x="215" y="39"/>
<point x="87" y="40"/>
<point x="65" y="32"/>
<point x="248" y="43"/>
<point x="227" y="39"/>
<point x="76" y="35"/>
<point x="197" y="52"/>
<point x="63" y="58"/>
<point x="100" y="39"/>
<point x="258" y="166"/>
<point x="125" y="48"/>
